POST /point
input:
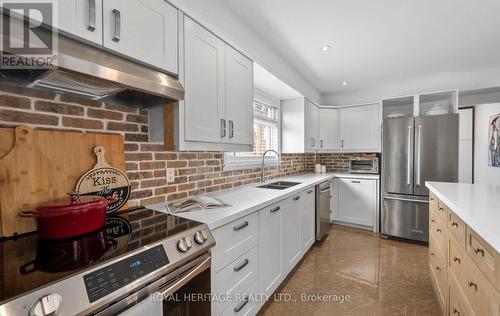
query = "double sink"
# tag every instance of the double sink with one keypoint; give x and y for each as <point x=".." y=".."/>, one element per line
<point x="280" y="185"/>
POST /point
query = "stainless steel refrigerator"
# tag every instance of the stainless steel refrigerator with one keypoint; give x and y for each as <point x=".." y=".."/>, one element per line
<point x="415" y="150"/>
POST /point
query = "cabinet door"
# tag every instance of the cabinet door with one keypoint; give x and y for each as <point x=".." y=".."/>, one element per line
<point x="204" y="80"/>
<point x="81" y="18"/>
<point x="145" y="30"/>
<point x="290" y="237"/>
<point x="311" y="125"/>
<point x="270" y="248"/>
<point x="328" y="129"/>
<point x="360" y="127"/>
<point x="239" y="97"/>
<point x="357" y="201"/>
<point x="307" y="219"/>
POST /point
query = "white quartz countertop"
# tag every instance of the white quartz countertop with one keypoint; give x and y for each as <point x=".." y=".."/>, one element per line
<point x="478" y="205"/>
<point x="248" y="199"/>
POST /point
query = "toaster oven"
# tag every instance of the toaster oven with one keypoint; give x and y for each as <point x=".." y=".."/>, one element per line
<point x="364" y="165"/>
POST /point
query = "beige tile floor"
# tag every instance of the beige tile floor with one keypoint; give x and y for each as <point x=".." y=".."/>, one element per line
<point x="381" y="277"/>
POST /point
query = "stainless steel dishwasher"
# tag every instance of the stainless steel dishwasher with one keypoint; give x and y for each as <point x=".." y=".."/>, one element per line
<point x="322" y="209"/>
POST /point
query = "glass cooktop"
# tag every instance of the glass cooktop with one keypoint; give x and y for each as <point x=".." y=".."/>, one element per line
<point x="29" y="262"/>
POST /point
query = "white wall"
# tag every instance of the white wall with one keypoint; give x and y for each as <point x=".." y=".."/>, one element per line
<point x="482" y="172"/>
<point x="218" y="18"/>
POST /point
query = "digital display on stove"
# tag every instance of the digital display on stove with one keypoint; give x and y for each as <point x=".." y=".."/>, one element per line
<point x="108" y="279"/>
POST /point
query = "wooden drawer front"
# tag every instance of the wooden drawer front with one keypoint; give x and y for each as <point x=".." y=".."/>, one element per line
<point x="480" y="294"/>
<point x="235" y="278"/>
<point x="485" y="257"/>
<point x="439" y="275"/>
<point x="247" y="304"/>
<point x="458" y="305"/>
<point x="442" y="211"/>
<point x="433" y="202"/>
<point x="457" y="228"/>
<point x="435" y="251"/>
<point x="233" y="240"/>
<point x="438" y="231"/>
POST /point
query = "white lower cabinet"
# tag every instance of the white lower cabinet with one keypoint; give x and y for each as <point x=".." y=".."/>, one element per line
<point x="307" y="219"/>
<point x="357" y="201"/>
<point x="270" y="226"/>
<point x="255" y="253"/>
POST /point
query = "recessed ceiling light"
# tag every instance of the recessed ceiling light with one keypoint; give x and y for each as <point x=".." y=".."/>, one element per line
<point x="326" y="48"/>
<point x="344" y="83"/>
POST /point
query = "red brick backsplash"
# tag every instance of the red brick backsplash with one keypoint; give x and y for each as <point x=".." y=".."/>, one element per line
<point x="195" y="172"/>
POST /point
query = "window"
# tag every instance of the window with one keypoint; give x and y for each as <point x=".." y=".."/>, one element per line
<point x="266" y="136"/>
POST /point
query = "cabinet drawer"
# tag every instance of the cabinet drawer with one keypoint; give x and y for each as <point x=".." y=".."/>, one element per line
<point x="485" y="257"/>
<point x="435" y="251"/>
<point x="233" y="240"/>
<point x="433" y="202"/>
<point x="480" y="294"/>
<point x="442" y="211"/>
<point x="458" y="305"/>
<point x="235" y="278"/>
<point x="457" y="228"/>
<point x="439" y="275"/>
<point x="438" y="231"/>
<point x="246" y="304"/>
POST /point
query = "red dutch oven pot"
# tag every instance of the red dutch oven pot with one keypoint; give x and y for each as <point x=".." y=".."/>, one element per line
<point x="69" y="217"/>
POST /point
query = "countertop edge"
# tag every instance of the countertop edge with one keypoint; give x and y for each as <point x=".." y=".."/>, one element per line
<point x="490" y="238"/>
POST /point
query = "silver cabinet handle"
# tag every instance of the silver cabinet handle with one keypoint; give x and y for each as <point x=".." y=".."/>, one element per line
<point x="117" y="34"/>
<point x="357" y="182"/>
<point x="408" y="172"/>
<point x="342" y="144"/>
<point x="241" y="266"/>
<point x="296" y="198"/>
<point x="311" y="191"/>
<point x="274" y="210"/>
<point x="321" y="143"/>
<point x="92" y="16"/>
<point x="231" y="129"/>
<point x="238" y="308"/>
<point x="419" y="149"/>
<point x="240" y="227"/>
<point x="222" y="128"/>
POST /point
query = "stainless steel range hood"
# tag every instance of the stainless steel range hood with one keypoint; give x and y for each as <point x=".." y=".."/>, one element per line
<point x="93" y="73"/>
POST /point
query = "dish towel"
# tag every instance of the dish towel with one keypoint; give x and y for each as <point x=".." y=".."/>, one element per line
<point x="151" y="306"/>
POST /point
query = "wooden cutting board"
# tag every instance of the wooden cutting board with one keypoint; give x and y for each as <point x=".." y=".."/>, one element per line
<point x="40" y="165"/>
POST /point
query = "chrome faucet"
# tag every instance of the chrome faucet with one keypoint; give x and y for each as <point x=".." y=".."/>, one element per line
<point x="262" y="165"/>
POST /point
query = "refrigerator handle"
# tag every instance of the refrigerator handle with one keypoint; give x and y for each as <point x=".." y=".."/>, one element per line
<point x="408" y="172"/>
<point x="419" y="149"/>
<point x="405" y="199"/>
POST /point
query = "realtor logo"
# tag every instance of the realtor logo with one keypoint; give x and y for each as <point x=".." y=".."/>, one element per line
<point x="29" y="36"/>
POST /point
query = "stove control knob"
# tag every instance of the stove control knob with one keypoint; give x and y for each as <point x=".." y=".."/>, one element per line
<point x="49" y="304"/>
<point x="182" y="245"/>
<point x="189" y="242"/>
<point x="204" y="234"/>
<point x="198" y="237"/>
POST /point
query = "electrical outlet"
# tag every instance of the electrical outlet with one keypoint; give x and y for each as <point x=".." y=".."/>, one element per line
<point x="292" y="163"/>
<point x="170" y="175"/>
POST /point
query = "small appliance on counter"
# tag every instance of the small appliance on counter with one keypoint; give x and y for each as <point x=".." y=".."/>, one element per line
<point x="114" y="270"/>
<point x="364" y="165"/>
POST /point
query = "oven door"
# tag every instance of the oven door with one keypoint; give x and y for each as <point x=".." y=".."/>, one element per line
<point x="183" y="292"/>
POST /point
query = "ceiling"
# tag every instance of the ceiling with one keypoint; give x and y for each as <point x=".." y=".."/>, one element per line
<point x="376" y="43"/>
<point x="271" y="85"/>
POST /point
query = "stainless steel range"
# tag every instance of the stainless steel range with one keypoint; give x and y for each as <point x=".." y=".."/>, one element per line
<point x="112" y="271"/>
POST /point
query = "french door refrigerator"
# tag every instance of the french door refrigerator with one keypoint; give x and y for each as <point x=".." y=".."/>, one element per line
<point x="415" y="150"/>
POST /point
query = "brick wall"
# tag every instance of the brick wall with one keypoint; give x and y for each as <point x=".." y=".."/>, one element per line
<point x="195" y="172"/>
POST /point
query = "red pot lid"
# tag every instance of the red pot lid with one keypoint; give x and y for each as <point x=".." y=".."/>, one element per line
<point x="71" y="205"/>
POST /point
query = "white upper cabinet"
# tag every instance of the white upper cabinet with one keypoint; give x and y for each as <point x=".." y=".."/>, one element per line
<point x="145" y="30"/>
<point x="300" y="126"/>
<point x="360" y="128"/>
<point x="204" y="78"/>
<point x="239" y="97"/>
<point x="328" y="129"/>
<point x="81" y="18"/>
<point x="217" y="111"/>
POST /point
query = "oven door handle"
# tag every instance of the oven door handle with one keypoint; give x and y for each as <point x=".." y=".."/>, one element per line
<point x="202" y="266"/>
